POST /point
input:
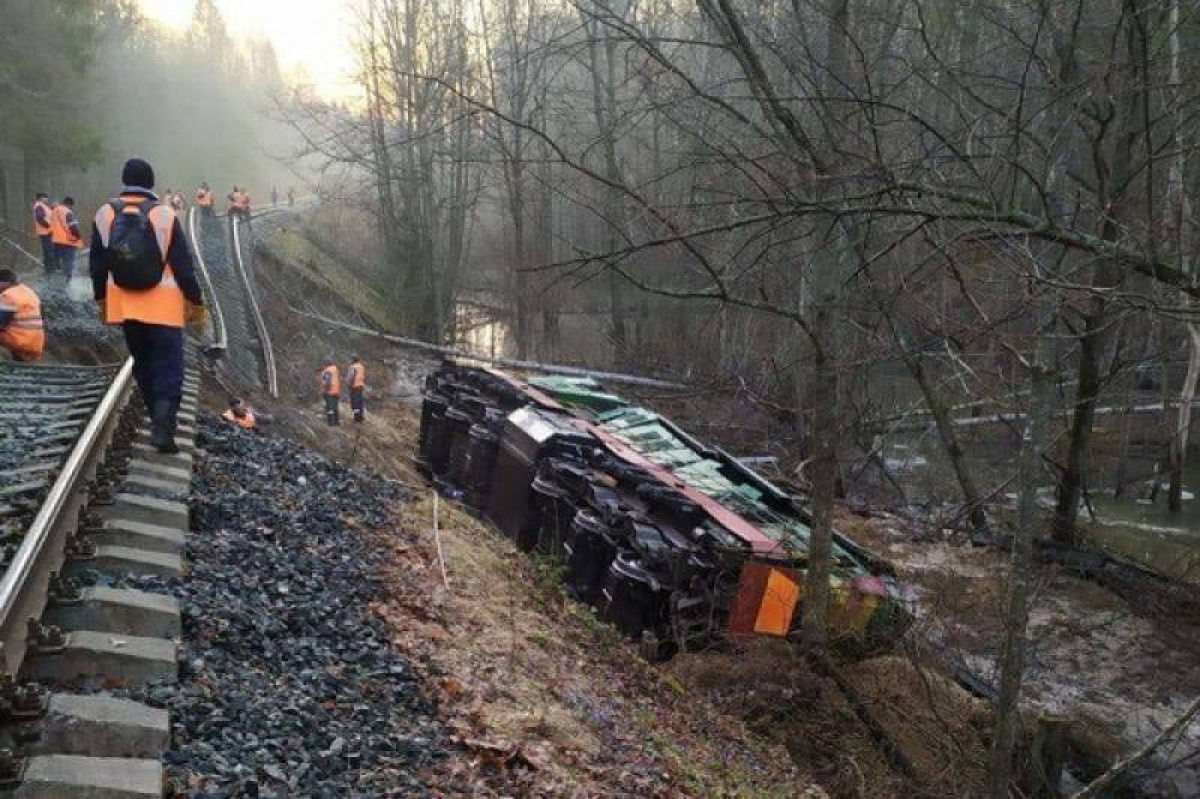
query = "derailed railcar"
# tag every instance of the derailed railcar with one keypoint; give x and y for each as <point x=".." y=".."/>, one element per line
<point x="673" y="542"/>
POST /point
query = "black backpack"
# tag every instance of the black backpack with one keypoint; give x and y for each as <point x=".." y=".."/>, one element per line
<point x="136" y="261"/>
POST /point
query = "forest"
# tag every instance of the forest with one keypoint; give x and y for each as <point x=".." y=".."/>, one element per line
<point x="86" y="83"/>
<point x="874" y="216"/>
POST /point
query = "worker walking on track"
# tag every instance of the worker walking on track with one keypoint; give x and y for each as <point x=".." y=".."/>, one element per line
<point x="143" y="280"/>
<point x="356" y="376"/>
<point x="239" y="203"/>
<point x="22" y="332"/>
<point x="41" y="228"/>
<point x="204" y="199"/>
<point x="65" y="235"/>
<point x="331" y="392"/>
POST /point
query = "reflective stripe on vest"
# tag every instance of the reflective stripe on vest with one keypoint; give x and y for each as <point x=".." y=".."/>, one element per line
<point x="60" y="227"/>
<point x="23" y="334"/>
<point x="162" y="305"/>
<point x="357" y="376"/>
<point x="38" y="228"/>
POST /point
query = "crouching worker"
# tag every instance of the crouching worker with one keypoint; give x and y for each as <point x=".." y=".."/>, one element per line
<point x="245" y="417"/>
<point x="143" y="280"/>
<point x="21" y="329"/>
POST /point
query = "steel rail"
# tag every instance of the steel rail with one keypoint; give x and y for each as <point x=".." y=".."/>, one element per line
<point x="23" y="588"/>
<point x="263" y="336"/>
<point x="220" y="340"/>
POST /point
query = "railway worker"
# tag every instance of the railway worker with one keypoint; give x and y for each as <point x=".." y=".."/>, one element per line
<point x="291" y="196"/>
<point x="239" y="204"/>
<point x="331" y="391"/>
<point x="177" y="201"/>
<point x="356" y="377"/>
<point x="242" y="415"/>
<point x="65" y="235"/>
<point x="21" y="330"/>
<point x="143" y="280"/>
<point x="41" y="228"/>
<point x="204" y="199"/>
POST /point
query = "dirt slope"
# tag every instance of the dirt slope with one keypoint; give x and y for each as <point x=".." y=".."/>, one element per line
<point x="540" y="698"/>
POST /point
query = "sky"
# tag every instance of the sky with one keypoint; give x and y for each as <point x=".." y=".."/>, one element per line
<point x="312" y="33"/>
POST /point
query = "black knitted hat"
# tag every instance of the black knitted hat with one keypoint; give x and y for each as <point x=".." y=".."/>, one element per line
<point x="138" y="173"/>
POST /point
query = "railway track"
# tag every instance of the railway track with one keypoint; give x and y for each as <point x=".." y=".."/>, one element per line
<point x="91" y="516"/>
<point x="220" y="333"/>
<point x="92" y="512"/>
<point x="238" y="323"/>
<point x="43" y="410"/>
<point x="234" y="335"/>
<point x="264" y="337"/>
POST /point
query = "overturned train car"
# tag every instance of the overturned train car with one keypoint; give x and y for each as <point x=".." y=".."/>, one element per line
<point x="675" y="543"/>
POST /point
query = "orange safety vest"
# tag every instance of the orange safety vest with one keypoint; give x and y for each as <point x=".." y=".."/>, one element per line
<point x="60" y="228"/>
<point x="357" y="375"/>
<point x="242" y="200"/>
<point x="204" y="198"/>
<point x="334" y="387"/>
<point x="162" y="305"/>
<point x="38" y="228"/>
<point x="245" y="422"/>
<point x="25" y="334"/>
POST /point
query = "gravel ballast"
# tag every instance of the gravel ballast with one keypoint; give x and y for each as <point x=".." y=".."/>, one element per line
<point x="288" y="684"/>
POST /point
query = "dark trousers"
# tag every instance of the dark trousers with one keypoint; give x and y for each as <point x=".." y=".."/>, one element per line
<point x="65" y="255"/>
<point x="331" y="408"/>
<point x="157" y="352"/>
<point x="356" y="403"/>
<point x="48" y="259"/>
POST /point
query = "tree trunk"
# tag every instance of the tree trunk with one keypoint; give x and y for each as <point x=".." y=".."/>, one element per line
<point x="1012" y="657"/>
<point x="1070" y="486"/>
<point x="1114" y="196"/>
<point x="950" y="443"/>
<point x="1181" y="242"/>
<point x="822" y="399"/>
<point x="1179" y="442"/>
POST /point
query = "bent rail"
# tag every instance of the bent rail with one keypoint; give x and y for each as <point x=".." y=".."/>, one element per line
<point x="220" y="337"/>
<point x="263" y="336"/>
<point x="23" y="588"/>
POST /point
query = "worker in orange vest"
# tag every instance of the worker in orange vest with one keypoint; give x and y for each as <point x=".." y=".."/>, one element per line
<point x="41" y="228"/>
<point x="356" y="376"/>
<point x="204" y="199"/>
<point x="241" y="414"/>
<point x="331" y="391"/>
<point x="65" y="235"/>
<point x="21" y="330"/>
<point x="143" y="280"/>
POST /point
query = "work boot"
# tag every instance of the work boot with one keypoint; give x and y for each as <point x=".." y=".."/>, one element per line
<point x="162" y="426"/>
